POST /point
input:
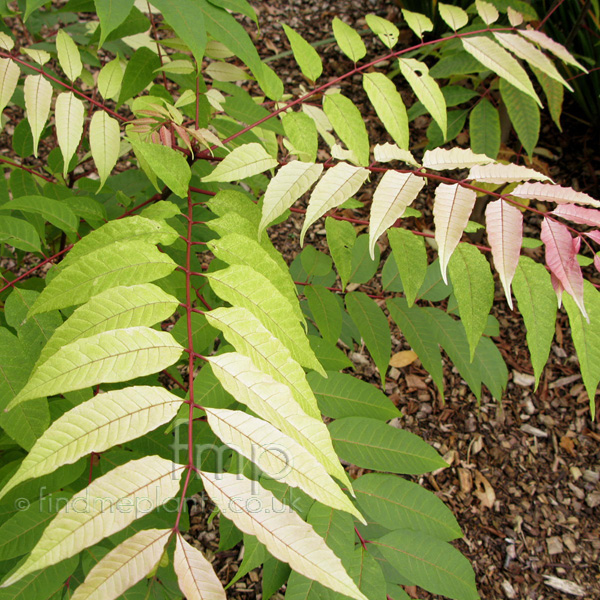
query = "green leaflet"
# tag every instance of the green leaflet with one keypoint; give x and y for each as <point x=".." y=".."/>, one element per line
<point x="302" y="133"/>
<point x="166" y="163"/>
<point x="430" y="563"/>
<point x="363" y="266"/>
<point x="306" y="56"/>
<point x="373" y="327"/>
<point x="586" y="337"/>
<point x="348" y="40"/>
<point x="389" y="106"/>
<point x="242" y="162"/>
<point x="366" y="572"/>
<point x="110" y="79"/>
<point x="20" y="234"/>
<point x="245" y="287"/>
<point x="326" y="311"/>
<point x="524" y="114"/>
<point x="140" y="71"/>
<point x="124" y="263"/>
<point x="537" y="303"/>
<point x="115" y="308"/>
<point x="415" y="325"/>
<point x="341" y="237"/>
<point x="411" y="259"/>
<point x="111" y="15"/>
<point x="187" y="20"/>
<point x="342" y="395"/>
<point x="474" y="290"/>
<point x="250" y="337"/>
<point x="386" y="31"/>
<point x="55" y="212"/>
<point x="348" y="123"/>
<point x="484" y="129"/>
<point x="396" y="503"/>
<point x="111" y="356"/>
<point x="236" y="249"/>
<point x="371" y="444"/>
<point x="121" y="230"/>
<point x="554" y="92"/>
<point x="95" y="426"/>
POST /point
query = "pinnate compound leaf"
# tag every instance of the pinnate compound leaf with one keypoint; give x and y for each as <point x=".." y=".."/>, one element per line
<point x="286" y="536"/>
<point x="578" y="214"/>
<point x="385" y="30"/>
<point x="430" y="563"/>
<point x="523" y="49"/>
<point x="546" y="192"/>
<point x="9" y="77"/>
<point x="395" y="192"/>
<point x="335" y="187"/>
<point x="245" y="287"/>
<point x="417" y="22"/>
<point x="341" y="395"/>
<point x="124" y="566"/>
<point x="441" y="159"/>
<point x="271" y="400"/>
<point x="105" y="144"/>
<point x="55" y="212"/>
<point x="484" y="129"/>
<point x="148" y="481"/>
<point x="540" y="38"/>
<point x="537" y="303"/>
<point x="69" y="117"/>
<point x="494" y="57"/>
<point x="236" y="249"/>
<point x="248" y="335"/>
<point x="244" y="161"/>
<point x="561" y="258"/>
<point x="197" y="579"/>
<point x="348" y="40"/>
<point x="38" y="96"/>
<point x="474" y="290"/>
<point x="487" y="11"/>
<point x="166" y="163"/>
<point x="348" y="123"/>
<point x="104" y="421"/>
<point x="68" y="55"/>
<point x="426" y="89"/>
<point x="278" y="455"/>
<point x="373" y="327"/>
<point x="121" y="230"/>
<point x="586" y="337"/>
<point x="454" y="16"/>
<point x="306" y="56"/>
<point x="410" y="255"/>
<point x="524" y="114"/>
<point x="388" y="152"/>
<point x="112" y="356"/>
<point x="388" y="105"/>
<point x="499" y="173"/>
<point x="396" y="503"/>
<point x="290" y="183"/>
<point x="451" y="211"/>
<point x="125" y="263"/>
<point x="371" y="444"/>
<point x="505" y="234"/>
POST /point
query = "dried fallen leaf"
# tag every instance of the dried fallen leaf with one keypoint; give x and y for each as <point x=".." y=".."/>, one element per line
<point x="568" y="445"/>
<point x="484" y="491"/>
<point x="403" y="358"/>
<point x="465" y="480"/>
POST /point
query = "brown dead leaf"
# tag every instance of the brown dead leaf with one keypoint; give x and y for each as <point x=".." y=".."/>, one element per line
<point x="414" y="382"/>
<point x="568" y="445"/>
<point x="403" y="358"/>
<point x="484" y="491"/>
<point x="465" y="480"/>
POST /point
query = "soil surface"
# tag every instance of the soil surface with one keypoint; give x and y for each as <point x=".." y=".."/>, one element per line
<point x="523" y="480"/>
